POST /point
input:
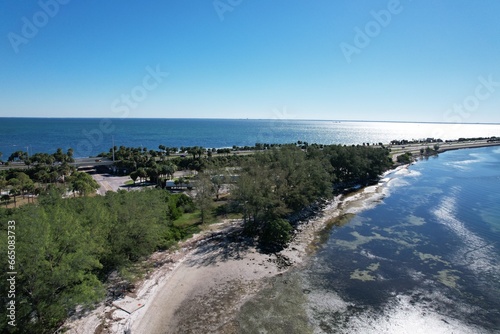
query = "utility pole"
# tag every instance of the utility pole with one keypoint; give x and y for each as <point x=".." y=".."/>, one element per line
<point x="113" y="137"/>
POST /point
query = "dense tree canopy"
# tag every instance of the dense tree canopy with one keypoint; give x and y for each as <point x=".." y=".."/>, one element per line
<point x="279" y="181"/>
<point x="66" y="248"/>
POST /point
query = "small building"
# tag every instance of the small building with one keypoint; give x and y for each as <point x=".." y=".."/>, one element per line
<point x="177" y="186"/>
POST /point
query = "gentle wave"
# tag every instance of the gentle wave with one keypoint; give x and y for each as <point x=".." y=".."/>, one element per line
<point x="474" y="252"/>
<point x="403" y="315"/>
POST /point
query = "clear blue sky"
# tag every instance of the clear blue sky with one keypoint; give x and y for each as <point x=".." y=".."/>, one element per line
<point x="252" y="59"/>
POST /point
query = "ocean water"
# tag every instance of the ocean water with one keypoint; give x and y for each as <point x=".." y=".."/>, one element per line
<point x="89" y="137"/>
<point x="423" y="257"/>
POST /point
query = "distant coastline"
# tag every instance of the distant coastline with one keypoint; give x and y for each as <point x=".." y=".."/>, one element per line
<point x="88" y="137"/>
<point x="254" y="119"/>
<point x="414" y="149"/>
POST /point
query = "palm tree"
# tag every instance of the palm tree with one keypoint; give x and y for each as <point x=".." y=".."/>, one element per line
<point x="65" y="170"/>
<point x="168" y="170"/>
<point x="134" y="175"/>
<point x="70" y="155"/>
<point x="59" y="155"/>
<point x="141" y="172"/>
<point x="153" y="174"/>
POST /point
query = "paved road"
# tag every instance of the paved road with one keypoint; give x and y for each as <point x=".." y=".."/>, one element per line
<point x="80" y="162"/>
<point x="414" y="149"/>
<point x="110" y="182"/>
<point x="92" y="162"/>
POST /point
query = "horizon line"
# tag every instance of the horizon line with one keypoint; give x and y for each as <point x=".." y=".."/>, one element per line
<point x="252" y="119"/>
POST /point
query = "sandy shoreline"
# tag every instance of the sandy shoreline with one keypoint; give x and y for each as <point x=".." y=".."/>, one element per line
<point x="200" y="287"/>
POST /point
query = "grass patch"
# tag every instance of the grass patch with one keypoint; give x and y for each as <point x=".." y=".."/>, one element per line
<point x="190" y="223"/>
<point x="234" y="216"/>
<point x="187" y="225"/>
<point x="223" y="210"/>
<point x="188" y="219"/>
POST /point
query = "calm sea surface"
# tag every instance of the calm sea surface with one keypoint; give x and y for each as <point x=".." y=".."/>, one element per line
<point x="89" y="137"/>
<point x="419" y="254"/>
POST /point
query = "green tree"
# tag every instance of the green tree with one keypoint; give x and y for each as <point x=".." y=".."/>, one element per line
<point x="277" y="233"/>
<point x="65" y="170"/>
<point x="55" y="262"/>
<point x="153" y="175"/>
<point x="18" y="156"/>
<point x="69" y="155"/>
<point x="42" y="176"/>
<point x="134" y="175"/>
<point x="54" y="176"/>
<point x="279" y="181"/>
<point x="142" y="174"/>
<point x="15" y="189"/>
<point x="3" y="184"/>
<point x="404" y="158"/>
<point x="218" y="176"/>
<point x="204" y="196"/>
<point x="5" y="198"/>
<point x="83" y="184"/>
<point x="137" y="227"/>
<point x="59" y="156"/>
<point x="25" y="183"/>
<point x="168" y="170"/>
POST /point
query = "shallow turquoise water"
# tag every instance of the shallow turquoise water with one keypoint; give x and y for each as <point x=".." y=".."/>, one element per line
<point x="424" y="260"/>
